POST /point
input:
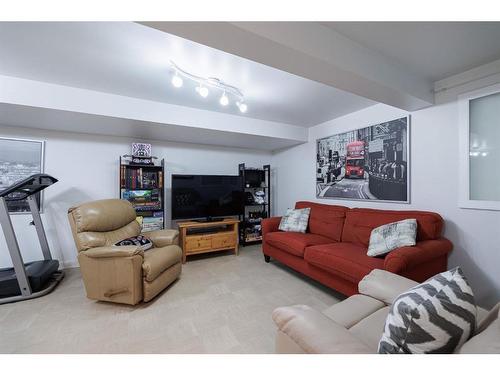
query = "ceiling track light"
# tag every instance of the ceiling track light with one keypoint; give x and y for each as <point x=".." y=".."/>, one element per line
<point x="203" y="87"/>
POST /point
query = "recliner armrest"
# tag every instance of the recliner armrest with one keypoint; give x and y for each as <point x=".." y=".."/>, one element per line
<point x="163" y="237"/>
<point x="384" y="286"/>
<point x="270" y="225"/>
<point x="113" y="251"/>
<point x="407" y="257"/>
<point x="316" y="333"/>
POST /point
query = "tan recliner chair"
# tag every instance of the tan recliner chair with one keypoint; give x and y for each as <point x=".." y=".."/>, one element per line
<point x="122" y="274"/>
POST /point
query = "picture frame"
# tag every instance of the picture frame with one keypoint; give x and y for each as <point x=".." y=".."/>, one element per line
<point x="369" y="163"/>
<point x="19" y="159"/>
<point x="142" y="150"/>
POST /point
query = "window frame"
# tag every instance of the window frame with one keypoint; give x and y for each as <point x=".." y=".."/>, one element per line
<point x="464" y="149"/>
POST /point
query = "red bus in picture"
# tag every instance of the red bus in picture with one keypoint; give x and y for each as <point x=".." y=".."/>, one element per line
<point x="355" y="159"/>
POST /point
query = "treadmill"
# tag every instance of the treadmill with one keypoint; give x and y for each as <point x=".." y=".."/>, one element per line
<point x="33" y="279"/>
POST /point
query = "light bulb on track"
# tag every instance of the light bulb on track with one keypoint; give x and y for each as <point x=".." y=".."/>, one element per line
<point x="202" y="90"/>
<point x="224" y="100"/>
<point x="177" y="81"/>
<point x="242" y="106"/>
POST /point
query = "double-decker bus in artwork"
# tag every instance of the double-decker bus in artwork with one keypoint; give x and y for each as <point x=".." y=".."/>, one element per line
<point x="355" y="159"/>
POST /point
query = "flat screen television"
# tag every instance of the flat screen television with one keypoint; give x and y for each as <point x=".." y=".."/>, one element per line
<point x="206" y="196"/>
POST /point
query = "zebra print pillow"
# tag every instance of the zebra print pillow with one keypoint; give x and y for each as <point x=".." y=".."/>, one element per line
<point x="437" y="316"/>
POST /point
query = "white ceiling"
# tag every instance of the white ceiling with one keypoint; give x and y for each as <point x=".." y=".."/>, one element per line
<point x="130" y="59"/>
<point x="435" y="50"/>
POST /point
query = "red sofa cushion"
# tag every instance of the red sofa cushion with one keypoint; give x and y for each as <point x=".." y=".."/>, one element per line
<point x="344" y="259"/>
<point x="295" y="243"/>
<point x="359" y="223"/>
<point x="325" y="220"/>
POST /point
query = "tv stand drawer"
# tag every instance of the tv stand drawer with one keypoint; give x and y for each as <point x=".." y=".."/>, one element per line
<point x="194" y="243"/>
<point x="223" y="241"/>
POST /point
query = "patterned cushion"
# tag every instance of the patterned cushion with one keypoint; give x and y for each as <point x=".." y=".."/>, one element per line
<point x="295" y="220"/>
<point x="390" y="236"/>
<point x="141" y="241"/>
<point x="437" y="316"/>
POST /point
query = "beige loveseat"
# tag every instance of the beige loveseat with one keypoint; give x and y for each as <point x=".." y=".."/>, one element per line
<point x="124" y="274"/>
<point x="355" y="325"/>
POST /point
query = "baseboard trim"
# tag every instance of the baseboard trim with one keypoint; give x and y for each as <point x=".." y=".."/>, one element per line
<point x="70" y="264"/>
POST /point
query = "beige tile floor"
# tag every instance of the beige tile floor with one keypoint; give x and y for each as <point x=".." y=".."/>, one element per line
<point x="221" y="304"/>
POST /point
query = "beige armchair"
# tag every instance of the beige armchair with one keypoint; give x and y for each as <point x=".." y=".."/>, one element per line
<point x="124" y="274"/>
<point x="355" y="325"/>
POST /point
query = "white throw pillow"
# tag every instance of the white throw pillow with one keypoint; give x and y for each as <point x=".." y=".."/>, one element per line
<point x="295" y="220"/>
<point x="390" y="236"/>
<point x="437" y="316"/>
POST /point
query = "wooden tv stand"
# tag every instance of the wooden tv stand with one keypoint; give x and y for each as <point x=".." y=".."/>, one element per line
<point x="223" y="235"/>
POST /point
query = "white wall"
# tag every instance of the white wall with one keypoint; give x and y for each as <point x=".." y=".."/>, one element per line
<point x="87" y="169"/>
<point x="434" y="169"/>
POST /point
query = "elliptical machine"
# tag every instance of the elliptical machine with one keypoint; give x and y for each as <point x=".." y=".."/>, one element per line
<point x="33" y="279"/>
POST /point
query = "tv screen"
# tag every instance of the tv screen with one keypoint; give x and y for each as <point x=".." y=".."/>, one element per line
<point x="206" y="196"/>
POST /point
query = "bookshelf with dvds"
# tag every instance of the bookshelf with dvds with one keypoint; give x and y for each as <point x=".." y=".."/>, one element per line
<point x="257" y="202"/>
<point x="143" y="185"/>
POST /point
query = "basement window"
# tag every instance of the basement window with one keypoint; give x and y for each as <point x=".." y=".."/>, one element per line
<point x="480" y="149"/>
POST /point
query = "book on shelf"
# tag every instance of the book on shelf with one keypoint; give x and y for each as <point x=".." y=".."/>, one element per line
<point x="253" y="238"/>
<point x="140" y="178"/>
<point x="141" y="196"/>
<point x="152" y="223"/>
<point x="147" y="207"/>
<point x="143" y="200"/>
<point x="122" y="175"/>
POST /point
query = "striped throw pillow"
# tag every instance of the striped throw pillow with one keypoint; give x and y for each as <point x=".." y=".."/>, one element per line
<point x="437" y="316"/>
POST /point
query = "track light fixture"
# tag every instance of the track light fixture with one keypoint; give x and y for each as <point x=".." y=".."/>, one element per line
<point x="203" y="87"/>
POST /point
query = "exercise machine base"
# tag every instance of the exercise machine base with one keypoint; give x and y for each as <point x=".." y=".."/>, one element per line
<point x="55" y="278"/>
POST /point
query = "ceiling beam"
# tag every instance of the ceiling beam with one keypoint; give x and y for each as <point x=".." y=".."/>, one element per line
<point x="449" y="88"/>
<point x="313" y="51"/>
<point x="48" y="106"/>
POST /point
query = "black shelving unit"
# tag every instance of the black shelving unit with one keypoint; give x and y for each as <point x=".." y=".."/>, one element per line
<point x="257" y="186"/>
<point x="144" y="186"/>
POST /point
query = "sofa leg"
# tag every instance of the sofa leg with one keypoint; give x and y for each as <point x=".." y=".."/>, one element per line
<point x="267" y="258"/>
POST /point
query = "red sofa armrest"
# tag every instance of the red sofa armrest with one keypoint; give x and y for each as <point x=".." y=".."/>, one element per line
<point x="407" y="257"/>
<point x="270" y="225"/>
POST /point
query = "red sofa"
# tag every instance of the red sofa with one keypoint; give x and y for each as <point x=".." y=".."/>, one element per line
<point x="333" y="251"/>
